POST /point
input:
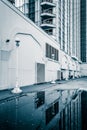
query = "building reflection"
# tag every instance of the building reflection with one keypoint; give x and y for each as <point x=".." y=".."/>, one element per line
<point x="39" y="99"/>
<point x="44" y="110"/>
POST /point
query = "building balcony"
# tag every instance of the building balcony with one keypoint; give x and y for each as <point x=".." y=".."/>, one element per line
<point x="47" y="3"/>
<point x="47" y="24"/>
<point x="47" y="13"/>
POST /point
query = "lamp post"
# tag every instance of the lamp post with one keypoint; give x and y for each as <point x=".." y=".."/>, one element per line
<point x="17" y="88"/>
<point x="53" y="56"/>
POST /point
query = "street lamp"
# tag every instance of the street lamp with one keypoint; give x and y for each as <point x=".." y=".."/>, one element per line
<point x="53" y="56"/>
<point x="17" y="88"/>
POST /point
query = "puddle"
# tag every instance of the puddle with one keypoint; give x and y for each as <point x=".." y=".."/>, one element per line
<point x="45" y="110"/>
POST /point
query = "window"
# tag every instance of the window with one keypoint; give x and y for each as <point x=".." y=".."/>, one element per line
<point x="51" y="50"/>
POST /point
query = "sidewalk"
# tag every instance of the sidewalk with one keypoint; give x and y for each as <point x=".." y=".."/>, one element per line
<point x="6" y="94"/>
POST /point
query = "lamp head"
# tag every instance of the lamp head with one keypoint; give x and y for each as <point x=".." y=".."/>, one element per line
<point x="17" y="40"/>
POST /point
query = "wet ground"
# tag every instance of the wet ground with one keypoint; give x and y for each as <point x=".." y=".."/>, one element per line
<point x="60" y="106"/>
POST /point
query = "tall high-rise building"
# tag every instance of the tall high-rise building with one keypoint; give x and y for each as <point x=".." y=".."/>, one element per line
<point x="59" y="18"/>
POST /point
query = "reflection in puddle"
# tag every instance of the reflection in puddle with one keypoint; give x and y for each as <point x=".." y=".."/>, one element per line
<point x="52" y="111"/>
<point x="39" y="99"/>
<point x="45" y="110"/>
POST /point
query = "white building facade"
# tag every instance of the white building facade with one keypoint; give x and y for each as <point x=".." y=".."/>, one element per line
<point x="36" y="59"/>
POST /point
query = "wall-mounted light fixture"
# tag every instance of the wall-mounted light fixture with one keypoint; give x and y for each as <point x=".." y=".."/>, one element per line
<point x="7" y="40"/>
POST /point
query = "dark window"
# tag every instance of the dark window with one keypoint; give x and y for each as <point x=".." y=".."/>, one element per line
<point x="51" y="50"/>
